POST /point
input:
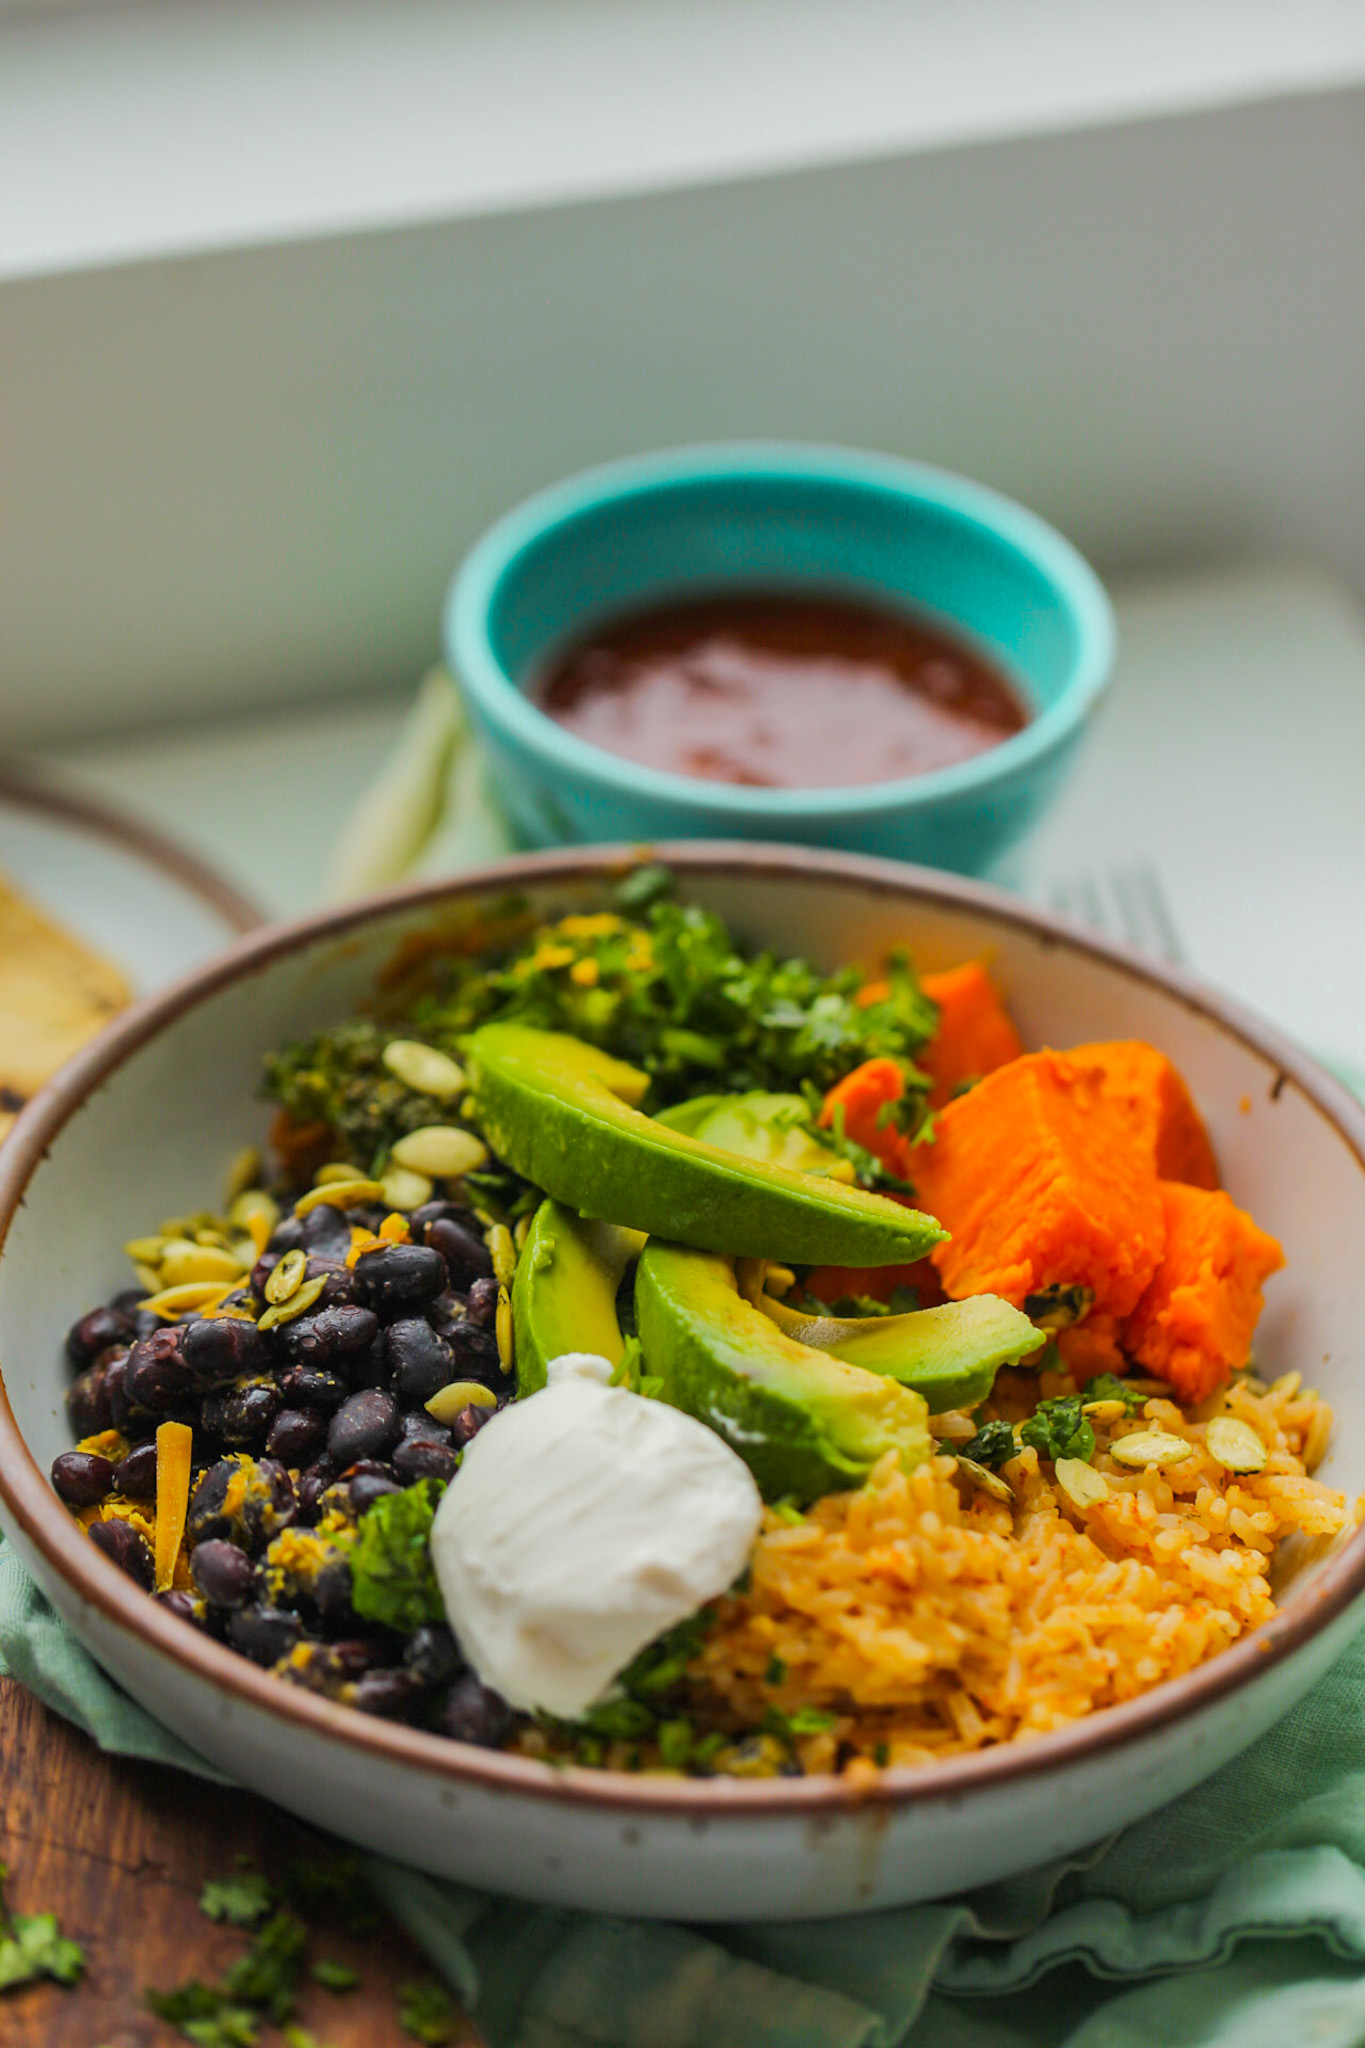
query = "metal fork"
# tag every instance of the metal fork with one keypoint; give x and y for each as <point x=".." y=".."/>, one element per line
<point x="1125" y="903"/>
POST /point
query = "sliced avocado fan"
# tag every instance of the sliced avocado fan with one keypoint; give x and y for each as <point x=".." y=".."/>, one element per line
<point x="564" y="1293"/>
<point x="563" y="1115"/>
<point x="950" y="1354"/>
<point x="770" y="1128"/>
<point x="803" y="1422"/>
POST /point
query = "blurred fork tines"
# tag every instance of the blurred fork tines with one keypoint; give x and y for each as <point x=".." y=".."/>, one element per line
<point x="1126" y="903"/>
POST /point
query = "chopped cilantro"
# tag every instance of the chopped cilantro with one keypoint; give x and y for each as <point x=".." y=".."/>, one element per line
<point x="676" y="1740"/>
<point x="801" y="1721"/>
<point x="31" y="1946"/>
<point x="240" y="1900"/>
<point x="992" y="1446"/>
<point x="261" y="1984"/>
<point x="881" y="1754"/>
<point x="301" y="2037"/>
<point x="1107" y="1386"/>
<point x="1057" y="1429"/>
<point x="427" y="2011"/>
<point x="337" y="1891"/>
<point x="393" y="1581"/>
<point x="776" y="1673"/>
<point x="334" y="1976"/>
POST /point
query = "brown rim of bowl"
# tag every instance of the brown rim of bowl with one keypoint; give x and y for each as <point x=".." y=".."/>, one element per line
<point x="238" y="912"/>
<point x="35" y="1508"/>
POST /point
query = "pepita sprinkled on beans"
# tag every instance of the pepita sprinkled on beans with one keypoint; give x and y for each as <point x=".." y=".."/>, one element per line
<point x="336" y="1170"/>
<point x="146" y="1276"/>
<point x="146" y="1251"/>
<point x="341" y="1194"/>
<point x="1079" y="1484"/>
<point x="1235" y="1444"/>
<point x="170" y="1302"/>
<point x="404" y="1189"/>
<point x="423" y="1069"/>
<point x="451" y="1400"/>
<point x="503" y="1253"/>
<point x="287" y="1277"/>
<point x="1150" y="1447"/>
<point x="984" y="1480"/>
<point x="503" y="1329"/>
<point x="443" y="1151"/>
<point x="251" y="1203"/>
<point x="182" y="1261"/>
<point x="243" y="1173"/>
<point x="299" y="1301"/>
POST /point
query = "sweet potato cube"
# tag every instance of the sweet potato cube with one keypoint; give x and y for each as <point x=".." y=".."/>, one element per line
<point x="1161" y="1106"/>
<point x="861" y="1106"/>
<point x="1194" y="1324"/>
<point x="974" y="1036"/>
<point x="1036" y="1175"/>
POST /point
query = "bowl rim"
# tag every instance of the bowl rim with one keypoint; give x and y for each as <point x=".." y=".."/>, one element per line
<point x="98" y="1584"/>
<point x="495" y="696"/>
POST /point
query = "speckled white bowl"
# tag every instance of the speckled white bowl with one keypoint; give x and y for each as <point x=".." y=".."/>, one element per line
<point x="143" y="1124"/>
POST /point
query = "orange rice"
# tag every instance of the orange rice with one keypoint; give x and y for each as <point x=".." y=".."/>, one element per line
<point x="931" y="1620"/>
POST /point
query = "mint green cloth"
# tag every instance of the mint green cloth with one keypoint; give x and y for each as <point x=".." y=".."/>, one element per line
<point x="1234" y="1918"/>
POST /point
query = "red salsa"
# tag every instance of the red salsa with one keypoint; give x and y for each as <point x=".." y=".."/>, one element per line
<point x="779" y="691"/>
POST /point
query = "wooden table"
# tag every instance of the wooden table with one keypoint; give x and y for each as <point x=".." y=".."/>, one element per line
<point x="119" y="1851"/>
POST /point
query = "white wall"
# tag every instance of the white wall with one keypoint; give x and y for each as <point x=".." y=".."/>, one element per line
<point x="246" y="475"/>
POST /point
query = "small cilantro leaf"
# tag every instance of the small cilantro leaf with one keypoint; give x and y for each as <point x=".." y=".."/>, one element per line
<point x="1057" y="1429"/>
<point x="334" y="1976"/>
<point x="427" y="2012"/>
<point x="992" y="1446"/>
<point x="241" y="1900"/>
<point x="393" y="1581"/>
<point x="1107" y="1386"/>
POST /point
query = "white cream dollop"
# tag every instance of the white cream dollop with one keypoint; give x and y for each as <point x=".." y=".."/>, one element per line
<point x="583" y="1522"/>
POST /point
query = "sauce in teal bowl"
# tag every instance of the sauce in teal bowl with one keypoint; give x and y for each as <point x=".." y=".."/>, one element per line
<point x="704" y="525"/>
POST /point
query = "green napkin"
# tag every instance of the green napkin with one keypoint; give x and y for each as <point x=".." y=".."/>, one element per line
<point x="1234" y="1918"/>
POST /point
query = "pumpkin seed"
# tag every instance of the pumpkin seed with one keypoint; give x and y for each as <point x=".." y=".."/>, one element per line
<point x="985" y="1481"/>
<point x="250" y="1204"/>
<point x="1150" y="1447"/>
<point x="146" y="1276"/>
<point x="444" y="1406"/>
<point x="286" y="1278"/>
<point x="1286" y="1386"/>
<point x="1105" y="1411"/>
<point x="145" y="1251"/>
<point x="1079" y="1484"/>
<point x="336" y="1170"/>
<point x="503" y="1253"/>
<point x="182" y="1261"/>
<point x="340" y="1194"/>
<point x="299" y="1301"/>
<point x="423" y="1069"/>
<point x="243" y="1173"/>
<point x="170" y="1302"/>
<point x="1235" y="1444"/>
<point x="441" y="1150"/>
<point x="503" y="1327"/>
<point x="404" y="1189"/>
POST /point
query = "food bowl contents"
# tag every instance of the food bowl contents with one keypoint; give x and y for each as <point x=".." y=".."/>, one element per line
<point x="780" y="691"/>
<point x="658" y="1356"/>
<point x="55" y="993"/>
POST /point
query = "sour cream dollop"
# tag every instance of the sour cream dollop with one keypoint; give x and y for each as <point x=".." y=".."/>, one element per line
<point x="583" y="1522"/>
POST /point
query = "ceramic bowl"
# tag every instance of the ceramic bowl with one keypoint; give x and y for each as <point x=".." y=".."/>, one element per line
<point x="696" y="520"/>
<point x="143" y="1124"/>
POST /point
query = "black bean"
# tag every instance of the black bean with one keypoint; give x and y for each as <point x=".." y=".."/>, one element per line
<point x="87" y="1400"/>
<point x="433" y="1212"/>
<point x="469" y="1422"/>
<point x="368" y="1487"/>
<point x="244" y="1416"/>
<point x="82" y="1478"/>
<point x="367" y="1368"/>
<point x="115" y="1400"/>
<point x="326" y="1230"/>
<point x="466" y="1255"/>
<point x="482" y="1304"/>
<point x="420" y="1363"/>
<point x="312" y="1485"/>
<point x="123" y="1546"/>
<point x="332" y="1596"/>
<point x="308" y="1386"/>
<point x="418" y="1458"/>
<point x="262" y="1271"/>
<point x="287" y="1236"/>
<point x="431" y="1654"/>
<point x="330" y="1336"/>
<point x="401" y="1279"/>
<point x="390" y="1693"/>
<point x="297" y="1435"/>
<point x="127" y="1299"/>
<point x="265" y="1634"/>
<point x="262" y="1502"/>
<point x="475" y="1349"/>
<point x="224" y="1349"/>
<point x="95" y="1332"/>
<point x="339" y="1287"/>
<point x="365" y="1426"/>
<point x="475" y="1713"/>
<point x="223" y="1572"/>
<point x="180" y="1604"/>
<point x="136" y="1474"/>
<point x="157" y="1377"/>
<point x="417" y="1423"/>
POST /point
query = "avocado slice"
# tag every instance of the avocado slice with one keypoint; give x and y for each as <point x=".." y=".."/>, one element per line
<point x="564" y="1293"/>
<point x="563" y="1115"/>
<point x="759" y="1126"/>
<point x="950" y="1354"/>
<point x="804" y="1422"/>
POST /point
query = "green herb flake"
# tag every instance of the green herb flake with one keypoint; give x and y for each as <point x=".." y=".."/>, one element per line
<point x="992" y="1446"/>
<point x="1057" y="1429"/>
<point x="240" y="1900"/>
<point x="881" y="1754"/>
<point x="337" y="1892"/>
<point x="392" y="1577"/>
<point x="427" y="2012"/>
<point x="334" y="1976"/>
<point x="776" y="1673"/>
<point x="1107" y="1386"/>
<point x="32" y="1946"/>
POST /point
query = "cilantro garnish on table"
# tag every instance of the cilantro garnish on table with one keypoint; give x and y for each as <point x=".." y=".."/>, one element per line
<point x="33" y="1946"/>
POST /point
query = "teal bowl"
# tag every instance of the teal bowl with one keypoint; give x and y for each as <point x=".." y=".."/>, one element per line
<point x="768" y="517"/>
